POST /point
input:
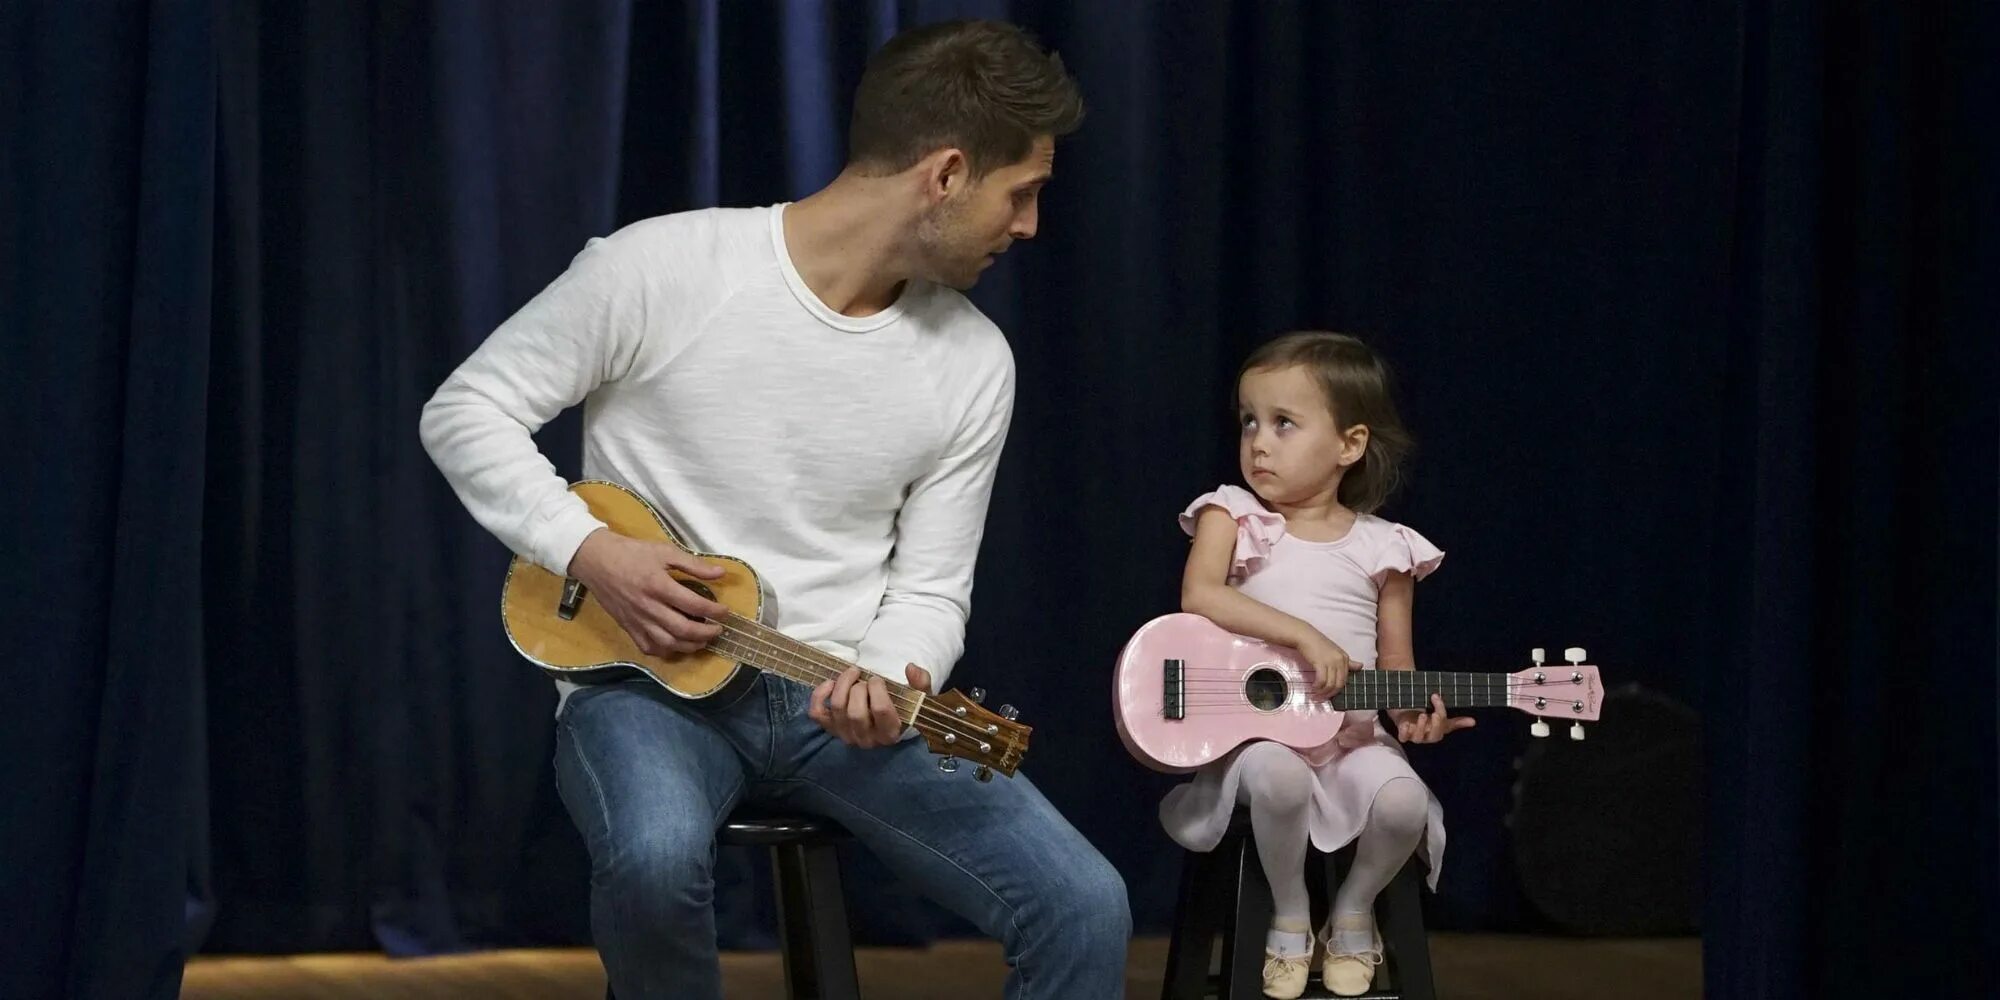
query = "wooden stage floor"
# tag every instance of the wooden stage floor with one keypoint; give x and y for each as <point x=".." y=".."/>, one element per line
<point x="1468" y="967"/>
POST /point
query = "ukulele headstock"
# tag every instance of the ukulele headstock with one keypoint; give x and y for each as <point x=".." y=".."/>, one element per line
<point x="1571" y="692"/>
<point x="958" y="727"/>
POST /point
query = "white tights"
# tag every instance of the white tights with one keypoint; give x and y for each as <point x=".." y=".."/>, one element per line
<point x="1278" y="787"/>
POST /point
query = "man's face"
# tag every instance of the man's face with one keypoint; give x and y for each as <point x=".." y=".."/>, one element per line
<point x="962" y="234"/>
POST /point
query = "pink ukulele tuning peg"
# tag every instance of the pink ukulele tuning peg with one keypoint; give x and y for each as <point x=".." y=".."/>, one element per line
<point x="1538" y="654"/>
<point x="1574" y="655"/>
<point x="1576" y="730"/>
<point x="1540" y="728"/>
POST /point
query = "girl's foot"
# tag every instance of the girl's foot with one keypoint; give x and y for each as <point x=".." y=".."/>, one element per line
<point x="1287" y="961"/>
<point x="1353" y="951"/>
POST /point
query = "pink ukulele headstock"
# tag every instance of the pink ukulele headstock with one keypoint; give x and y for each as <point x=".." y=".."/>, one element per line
<point x="1571" y="692"/>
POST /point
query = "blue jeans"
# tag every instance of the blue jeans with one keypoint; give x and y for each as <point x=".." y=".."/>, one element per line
<point x="648" y="778"/>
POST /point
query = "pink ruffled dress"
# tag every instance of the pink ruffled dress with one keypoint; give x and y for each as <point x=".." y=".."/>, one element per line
<point x="1335" y="587"/>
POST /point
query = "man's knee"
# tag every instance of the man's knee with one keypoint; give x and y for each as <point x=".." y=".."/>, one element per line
<point x="665" y="864"/>
<point x="1091" y="903"/>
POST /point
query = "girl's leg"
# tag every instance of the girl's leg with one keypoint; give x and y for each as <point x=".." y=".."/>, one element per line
<point x="1278" y="787"/>
<point x="1396" y="822"/>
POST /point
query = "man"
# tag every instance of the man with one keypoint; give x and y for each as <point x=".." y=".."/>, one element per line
<point x="802" y="386"/>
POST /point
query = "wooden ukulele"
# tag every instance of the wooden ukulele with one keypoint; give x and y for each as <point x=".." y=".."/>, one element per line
<point x="551" y="620"/>
<point x="1188" y="692"/>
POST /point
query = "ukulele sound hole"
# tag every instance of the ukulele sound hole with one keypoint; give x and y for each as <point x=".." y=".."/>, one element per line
<point x="699" y="587"/>
<point x="1266" y="689"/>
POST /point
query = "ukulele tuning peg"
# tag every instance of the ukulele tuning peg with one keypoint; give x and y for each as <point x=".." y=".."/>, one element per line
<point x="948" y="765"/>
<point x="1576" y="730"/>
<point x="1009" y="713"/>
<point x="1574" y="654"/>
<point x="984" y="773"/>
<point x="1538" y="655"/>
<point x="977" y="695"/>
<point x="1540" y="729"/>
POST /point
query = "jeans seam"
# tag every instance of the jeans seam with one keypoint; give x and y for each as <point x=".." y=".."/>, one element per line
<point x="603" y="811"/>
<point x="772" y="721"/>
<point x="1013" y="912"/>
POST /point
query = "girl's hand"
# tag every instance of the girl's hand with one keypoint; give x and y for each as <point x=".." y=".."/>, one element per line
<point x="1417" y="726"/>
<point x="1329" y="662"/>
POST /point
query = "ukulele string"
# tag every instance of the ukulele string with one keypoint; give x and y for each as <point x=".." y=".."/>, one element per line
<point x="753" y="647"/>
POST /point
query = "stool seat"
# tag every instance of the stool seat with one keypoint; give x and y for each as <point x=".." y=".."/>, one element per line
<point x="750" y="828"/>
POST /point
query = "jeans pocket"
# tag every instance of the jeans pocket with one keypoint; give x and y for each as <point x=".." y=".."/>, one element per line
<point x="580" y="694"/>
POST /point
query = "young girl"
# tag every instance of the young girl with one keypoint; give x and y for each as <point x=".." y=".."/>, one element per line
<point x="1299" y="560"/>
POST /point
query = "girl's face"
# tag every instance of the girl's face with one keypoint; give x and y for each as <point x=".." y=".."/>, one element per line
<point x="1291" y="451"/>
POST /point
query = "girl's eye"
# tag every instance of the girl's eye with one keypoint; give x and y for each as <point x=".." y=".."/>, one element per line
<point x="1286" y="422"/>
<point x="1247" y="421"/>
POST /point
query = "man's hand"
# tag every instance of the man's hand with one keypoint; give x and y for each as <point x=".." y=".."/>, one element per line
<point x="630" y="578"/>
<point x="860" y="712"/>
<point x="1417" y="726"/>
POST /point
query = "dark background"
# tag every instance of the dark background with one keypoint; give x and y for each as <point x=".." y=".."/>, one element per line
<point x="1692" y="305"/>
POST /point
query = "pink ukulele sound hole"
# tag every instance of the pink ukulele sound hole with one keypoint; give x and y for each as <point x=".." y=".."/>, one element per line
<point x="1266" y="689"/>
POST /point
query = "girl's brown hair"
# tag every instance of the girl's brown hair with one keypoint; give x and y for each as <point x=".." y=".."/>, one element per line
<point x="1356" y="383"/>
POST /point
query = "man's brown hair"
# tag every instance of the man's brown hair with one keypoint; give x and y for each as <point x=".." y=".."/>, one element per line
<point x="985" y="87"/>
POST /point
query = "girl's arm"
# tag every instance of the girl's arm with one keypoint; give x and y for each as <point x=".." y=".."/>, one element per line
<point x="1205" y="588"/>
<point x="1395" y="650"/>
<point x="1205" y="591"/>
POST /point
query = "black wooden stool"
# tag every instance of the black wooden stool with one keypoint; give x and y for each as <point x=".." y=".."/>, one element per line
<point x="1224" y="892"/>
<point x="812" y="913"/>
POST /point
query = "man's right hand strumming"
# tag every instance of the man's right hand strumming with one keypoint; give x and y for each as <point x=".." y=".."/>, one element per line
<point x="631" y="578"/>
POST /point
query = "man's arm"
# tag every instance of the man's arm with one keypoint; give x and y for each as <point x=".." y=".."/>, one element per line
<point x="587" y="328"/>
<point x="581" y="331"/>
<point x="929" y="593"/>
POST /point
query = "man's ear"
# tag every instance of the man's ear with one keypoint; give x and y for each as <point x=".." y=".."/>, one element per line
<point x="945" y="173"/>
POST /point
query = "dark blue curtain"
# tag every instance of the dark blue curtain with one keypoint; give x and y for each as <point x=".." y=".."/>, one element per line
<point x="107" y="140"/>
<point x="1690" y="303"/>
<point x="1852" y="690"/>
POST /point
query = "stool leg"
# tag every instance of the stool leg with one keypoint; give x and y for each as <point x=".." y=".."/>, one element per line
<point x="1204" y="898"/>
<point x="1401" y="910"/>
<point x="812" y="924"/>
<point x="1243" y="946"/>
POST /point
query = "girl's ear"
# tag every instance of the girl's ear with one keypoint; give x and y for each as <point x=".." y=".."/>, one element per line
<point x="1353" y="444"/>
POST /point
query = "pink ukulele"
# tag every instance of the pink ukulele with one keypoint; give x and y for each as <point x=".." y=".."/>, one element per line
<point x="1188" y="692"/>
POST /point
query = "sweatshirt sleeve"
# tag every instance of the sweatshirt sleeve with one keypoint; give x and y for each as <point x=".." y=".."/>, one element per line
<point x="928" y="598"/>
<point x="586" y="328"/>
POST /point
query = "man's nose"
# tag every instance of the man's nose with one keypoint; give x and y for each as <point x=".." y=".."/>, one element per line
<point x="1026" y="223"/>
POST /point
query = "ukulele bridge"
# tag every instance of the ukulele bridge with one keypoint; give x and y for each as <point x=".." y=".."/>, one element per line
<point x="572" y="599"/>
<point x="1174" y="690"/>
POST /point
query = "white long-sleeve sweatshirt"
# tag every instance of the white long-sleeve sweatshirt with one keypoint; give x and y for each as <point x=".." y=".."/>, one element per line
<point x="848" y="460"/>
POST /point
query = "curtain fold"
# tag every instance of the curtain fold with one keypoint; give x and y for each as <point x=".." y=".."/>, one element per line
<point x="1686" y="303"/>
